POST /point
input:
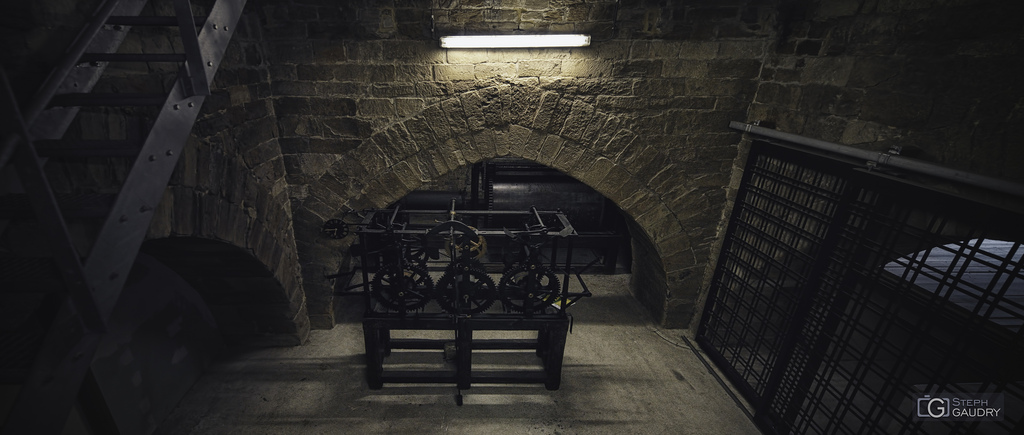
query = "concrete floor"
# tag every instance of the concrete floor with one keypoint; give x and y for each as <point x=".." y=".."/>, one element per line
<point x="620" y="375"/>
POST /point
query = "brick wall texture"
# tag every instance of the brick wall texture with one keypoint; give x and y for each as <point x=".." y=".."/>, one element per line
<point x="369" y="108"/>
<point x="325" y="106"/>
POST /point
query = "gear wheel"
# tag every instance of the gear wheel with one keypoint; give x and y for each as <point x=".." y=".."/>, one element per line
<point x="518" y="295"/>
<point x="407" y="290"/>
<point x="476" y="290"/>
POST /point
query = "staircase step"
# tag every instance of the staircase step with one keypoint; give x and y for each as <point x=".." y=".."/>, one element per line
<point x="131" y="57"/>
<point x="87" y="205"/>
<point x="87" y="148"/>
<point x="150" y="20"/>
<point x="92" y="99"/>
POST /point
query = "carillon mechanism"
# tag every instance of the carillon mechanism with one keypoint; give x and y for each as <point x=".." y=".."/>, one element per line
<point x="439" y="270"/>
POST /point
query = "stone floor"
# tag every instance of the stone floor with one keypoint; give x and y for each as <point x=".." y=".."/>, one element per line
<point x="621" y="375"/>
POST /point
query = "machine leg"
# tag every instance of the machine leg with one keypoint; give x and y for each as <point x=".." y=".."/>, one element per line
<point x="542" y="342"/>
<point x="555" y="350"/>
<point x="374" y="355"/>
<point x="463" y="355"/>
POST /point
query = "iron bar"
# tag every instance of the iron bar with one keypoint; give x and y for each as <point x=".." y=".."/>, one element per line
<point x="886" y="159"/>
<point x="131" y="57"/>
<point x="150" y="20"/>
<point x="195" y="78"/>
<point x="125" y="229"/>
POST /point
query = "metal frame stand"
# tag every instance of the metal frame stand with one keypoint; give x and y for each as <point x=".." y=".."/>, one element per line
<point x="538" y="309"/>
<point x="549" y="345"/>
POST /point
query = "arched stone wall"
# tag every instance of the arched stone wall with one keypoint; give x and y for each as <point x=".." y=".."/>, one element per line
<point x="510" y="119"/>
<point x="243" y="269"/>
<point x="229" y="187"/>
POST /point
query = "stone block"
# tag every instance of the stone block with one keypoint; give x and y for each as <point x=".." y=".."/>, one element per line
<point x="560" y="114"/>
<point x="400" y="141"/>
<point x="454" y="72"/>
<point x="253" y="133"/>
<point x="581" y="115"/>
<point x="674" y="68"/>
<point x="502" y="146"/>
<point x="421" y="132"/>
<point x="833" y="71"/>
<point x="162" y="223"/>
<point x="413" y="73"/>
<point x="637" y="68"/>
<point x="568" y="159"/>
<point x="425" y="167"/>
<point x="752" y="49"/>
<point x="549" y="149"/>
<point x="372" y="157"/>
<point x="332" y="106"/>
<point x="734" y="68"/>
<point x="786" y="96"/>
<point x="539" y="68"/>
<point x="343" y="89"/>
<point x="328" y="51"/>
<point x="410" y="174"/>
<point x="531" y="148"/>
<point x="618" y="142"/>
<point x="434" y="117"/>
<point x="519" y="137"/>
<point x="376" y="107"/>
<point x="286" y="52"/>
<point x="468" y="151"/>
<point x="343" y="127"/>
<point x="896" y="109"/>
<point x="546" y="110"/>
<point x="291" y="105"/>
<point x="612" y="184"/>
<point x="406" y="107"/>
<point x="486" y="143"/>
<point x="488" y="71"/>
<point x="597" y="171"/>
<point x="456" y="116"/>
<point x="873" y="71"/>
<point x="714" y="87"/>
<point x="585" y="68"/>
<point x="474" y="104"/>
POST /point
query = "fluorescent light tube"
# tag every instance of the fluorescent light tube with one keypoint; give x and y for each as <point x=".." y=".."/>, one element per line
<point x="515" y="41"/>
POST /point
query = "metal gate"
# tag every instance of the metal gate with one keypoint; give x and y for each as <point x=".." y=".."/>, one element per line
<point x="849" y="301"/>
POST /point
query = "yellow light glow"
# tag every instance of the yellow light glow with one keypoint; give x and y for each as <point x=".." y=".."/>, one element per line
<point x="515" y="41"/>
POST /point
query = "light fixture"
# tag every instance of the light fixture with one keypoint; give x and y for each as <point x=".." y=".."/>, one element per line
<point x="515" y="41"/>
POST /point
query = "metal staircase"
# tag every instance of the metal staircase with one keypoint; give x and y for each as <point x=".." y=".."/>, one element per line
<point x="67" y="297"/>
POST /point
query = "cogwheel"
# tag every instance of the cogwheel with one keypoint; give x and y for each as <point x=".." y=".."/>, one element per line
<point x="404" y="290"/>
<point x="520" y="294"/>
<point x="476" y="291"/>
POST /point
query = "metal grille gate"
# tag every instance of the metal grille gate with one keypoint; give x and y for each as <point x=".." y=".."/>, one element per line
<point x="841" y="296"/>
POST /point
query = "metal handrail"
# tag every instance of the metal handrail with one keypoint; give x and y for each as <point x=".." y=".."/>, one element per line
<point x="888" y="159"/>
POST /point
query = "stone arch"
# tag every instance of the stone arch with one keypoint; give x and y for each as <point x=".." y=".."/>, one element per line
<point x="238" y="259"/>
<point x="552" y="128"/>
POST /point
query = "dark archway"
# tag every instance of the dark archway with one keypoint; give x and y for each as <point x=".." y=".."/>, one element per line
<point x="520" y="121"/>
<point x="248" y="302"/>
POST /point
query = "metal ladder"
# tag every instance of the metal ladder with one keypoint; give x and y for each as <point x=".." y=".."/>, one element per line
<point x="52" y="360"/>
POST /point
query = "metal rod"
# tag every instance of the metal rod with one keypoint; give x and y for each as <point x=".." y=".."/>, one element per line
<point x="391" y="220"/>
<point x="167" y="21"/>
<point x="540" y="221"/>
<point x="886" y="159"/>
<point x="131" y="57"/>
<point x="198" y="83"/>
